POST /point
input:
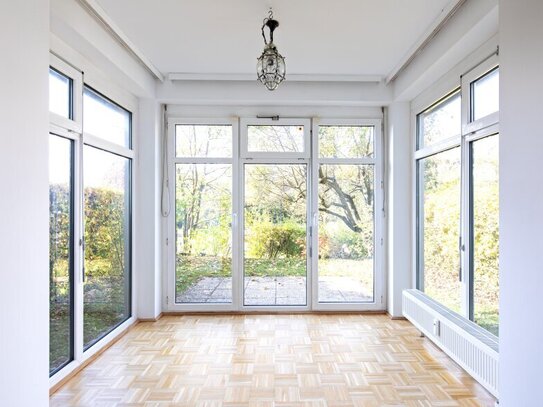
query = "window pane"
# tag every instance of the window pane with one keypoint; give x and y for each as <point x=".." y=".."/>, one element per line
<point x="203" y="233"/>
<point x="60" y="253"/>
<point x="203" y="141"/>
<point x="440" y="122"/>
<point x="439" y="214"/>
<point x="275" y="234"/>
<point x="485" y="181"/>
<point x="345" y="258"/>
<point x="60" y="88"/>
<point x="345" y="141"/>
<point x="486" y="95"/>
<point x="105" y="119"/>
<point x="284" y="139"/>
<point x="107" y="242"/>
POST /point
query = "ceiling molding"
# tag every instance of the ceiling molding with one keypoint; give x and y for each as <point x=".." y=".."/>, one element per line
<point x="181" y="76"/>
<point x="446" y="14"/>
<point x="99" y="14"/>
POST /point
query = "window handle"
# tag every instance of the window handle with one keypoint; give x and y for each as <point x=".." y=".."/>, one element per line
<point x="82" y="245"/>
<point x="461" y="248"/>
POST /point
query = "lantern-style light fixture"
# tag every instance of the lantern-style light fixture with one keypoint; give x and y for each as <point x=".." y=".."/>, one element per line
<point x="270" y="67"/>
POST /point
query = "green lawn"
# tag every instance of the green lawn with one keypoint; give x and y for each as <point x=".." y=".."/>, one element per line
<point x="191" y="269"/>
<point x="98" y="319"/>
<point x="59" y="335"/>
<point x="103" y="309"/>
<point x="488" y="319"/>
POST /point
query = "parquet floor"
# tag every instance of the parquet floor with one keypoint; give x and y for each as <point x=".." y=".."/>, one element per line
<point x="310" y="360"/>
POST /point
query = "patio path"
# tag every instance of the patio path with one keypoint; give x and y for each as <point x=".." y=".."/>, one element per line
<point x="275" y="290"/>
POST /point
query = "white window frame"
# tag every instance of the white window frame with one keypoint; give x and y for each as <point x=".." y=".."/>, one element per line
<point x="246" y="122"/>
<point x="241" y="157"/>
<point x="379" y="295"/>
<point x="171" y="304"/>
<point x="275" y="157"/>
<point x="420" y="154"/>
<point x="75" y="124"/>
<point x="472" y="130"/>
<point x="73" y="130"/>
<point x="469" y="124"/>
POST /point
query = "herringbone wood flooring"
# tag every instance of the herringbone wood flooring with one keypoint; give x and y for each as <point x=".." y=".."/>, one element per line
<point x="310" y="360"/>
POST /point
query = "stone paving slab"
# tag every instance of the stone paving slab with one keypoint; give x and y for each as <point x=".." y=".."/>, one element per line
<point x="275" y="290"/>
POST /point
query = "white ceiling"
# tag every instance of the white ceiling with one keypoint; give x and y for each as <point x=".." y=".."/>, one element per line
<point x="333" y="37"/>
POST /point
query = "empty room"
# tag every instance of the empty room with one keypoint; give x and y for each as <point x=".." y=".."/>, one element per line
<point x="240" y="203"/>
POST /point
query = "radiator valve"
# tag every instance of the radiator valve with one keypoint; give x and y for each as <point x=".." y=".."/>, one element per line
<point x="437" y="326"/>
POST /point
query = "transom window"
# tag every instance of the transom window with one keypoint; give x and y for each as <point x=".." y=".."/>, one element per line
<point x="60" y="94"/>
<point x="262" y="138"/>
<point x="440" y="122"/>
<point x="346" y="141"/>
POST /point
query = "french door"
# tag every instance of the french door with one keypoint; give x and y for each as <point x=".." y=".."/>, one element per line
<point x="275" y="215"/>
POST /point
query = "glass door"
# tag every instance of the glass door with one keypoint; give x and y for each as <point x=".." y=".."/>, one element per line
<point x="275" y="230"/>
<point x="275" y="200"/>
<point x="203" y="240"/>
<point x="275" y="215"/>
<point x="347" y="214"/>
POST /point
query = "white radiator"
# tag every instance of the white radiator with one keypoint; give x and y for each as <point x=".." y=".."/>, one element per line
<point x="469" y="345"/>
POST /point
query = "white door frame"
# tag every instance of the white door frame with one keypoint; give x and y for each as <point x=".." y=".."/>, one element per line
<point x="379" y="300"/>
<point x="274" y="158"/>
<point x="240" y="157"/>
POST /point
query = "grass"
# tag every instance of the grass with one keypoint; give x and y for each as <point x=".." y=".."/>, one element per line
<point x="59" y="335"/>
<point x="488" y="318"/>
<point x="191" y="269"/>
<point x="103" y="309"/>
<point x="98" y="319"/>
<point x="486" y="312"/>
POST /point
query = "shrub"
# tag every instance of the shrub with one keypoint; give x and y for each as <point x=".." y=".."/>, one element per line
<point x="270" y="240"/>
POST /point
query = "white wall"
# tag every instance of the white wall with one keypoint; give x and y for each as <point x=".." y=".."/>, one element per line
<point x="148" y="217"/>
<point x="289" y="93"/>
<point x="76" y="28"/>
<point x="24" y="302"/>
<point x="475" y="23"/>
<point x="399" y="210"/>
<point x="521" y="202"/>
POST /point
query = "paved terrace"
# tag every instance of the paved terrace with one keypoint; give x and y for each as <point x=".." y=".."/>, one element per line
<point x="275" y="290"/>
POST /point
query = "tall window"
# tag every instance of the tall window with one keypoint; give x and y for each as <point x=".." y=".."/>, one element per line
<point x="107" y="203"/>
<point x="61" y="220"/>
<point x="61" y="264"/>
<point x="438" y="190"/>
<point x="89" y="217"/>
<point x="203" y="213"/>
<point x="484" y="221"/>
<point x="346" y="201"/>
<point x="457" y="199"/>
<point x="481" y="214"/>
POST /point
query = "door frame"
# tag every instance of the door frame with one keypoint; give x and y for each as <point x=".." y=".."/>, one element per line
<point x="274" y="158"/>
<point x="240" y="157"/>
<point x="379" y="294"/>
